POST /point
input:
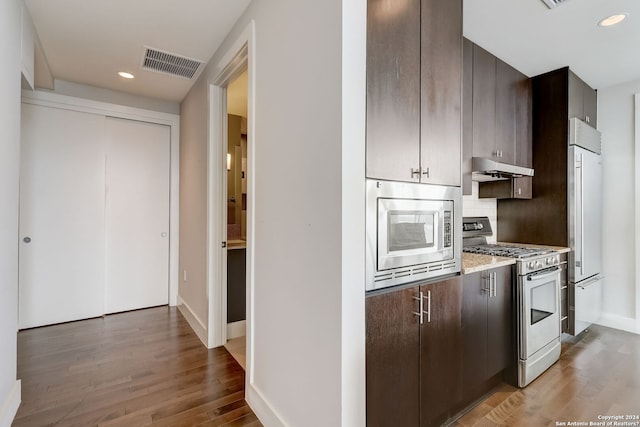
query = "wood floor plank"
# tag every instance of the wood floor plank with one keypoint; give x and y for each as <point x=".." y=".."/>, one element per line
<point x="598" y="374"/>
<point x="140" y="368"/>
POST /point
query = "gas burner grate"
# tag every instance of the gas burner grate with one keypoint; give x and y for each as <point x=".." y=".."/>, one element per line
<point x="508" y="251"/>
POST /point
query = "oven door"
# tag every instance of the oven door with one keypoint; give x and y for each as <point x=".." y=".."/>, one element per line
<point x="413" y="232"/>
<point x="539" y="310"/>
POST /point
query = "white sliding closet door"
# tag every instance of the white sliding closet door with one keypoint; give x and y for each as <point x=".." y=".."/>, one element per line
<point x="137" y="214"/>
<point x="62" y="180"/>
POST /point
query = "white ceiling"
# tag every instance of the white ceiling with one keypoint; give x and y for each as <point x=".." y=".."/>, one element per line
<point x="535" y="39"/>
<point x="89" y="41"/>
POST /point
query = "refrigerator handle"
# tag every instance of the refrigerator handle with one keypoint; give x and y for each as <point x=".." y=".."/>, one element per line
<point x="580" y="215"/>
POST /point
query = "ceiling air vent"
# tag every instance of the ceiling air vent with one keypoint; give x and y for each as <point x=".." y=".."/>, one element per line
<point x="553" y="3"/>
<point x="169" y="63"/>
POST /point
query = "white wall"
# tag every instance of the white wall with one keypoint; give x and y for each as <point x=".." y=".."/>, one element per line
<point x="616" y="122"/>
<point x="193" y="202"/>
<point x="10" y="18"/>
<point x="308" y="330"/>
<point x="474" y="206"/>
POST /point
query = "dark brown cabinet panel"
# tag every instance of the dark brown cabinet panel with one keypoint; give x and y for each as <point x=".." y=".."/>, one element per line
<point x="393" y="359"/>
<point x="484" y="103"/>
<point x="467" y="115"/>
<point x="414" y="91"/>
<point x="582" y="100"/>
<point x="506" y="91"/>
<point x="393" y="90"/>
<point x="413" y="363"/>
<point x="441" y="352"/>
<point x="487" y="330"/>
<point x="441" y="89"/>
<point x="500" y="353"/>
<point x="556" y="97"/>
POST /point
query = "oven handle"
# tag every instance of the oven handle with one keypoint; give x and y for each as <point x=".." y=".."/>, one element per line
<point x="534" y="276"/>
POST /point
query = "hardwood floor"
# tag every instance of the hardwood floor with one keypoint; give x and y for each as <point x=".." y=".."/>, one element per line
<point x="139" y="368"/>
<point x="237" y="347"/>
<point x="598" y="374"/>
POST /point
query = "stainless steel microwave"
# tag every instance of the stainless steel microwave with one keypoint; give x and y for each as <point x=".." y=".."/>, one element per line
<point x="412" y="232"/>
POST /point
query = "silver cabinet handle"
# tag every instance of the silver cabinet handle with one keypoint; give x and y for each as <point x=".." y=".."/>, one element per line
<point x="416" y="172"/>
<point x="487" y="288"/>
<point x="495" y="284"/>
<point x="426" y="172"/>
<point x="428" y="312"/>
<point x="581" y="216"/>
<point x="420" y="312"/>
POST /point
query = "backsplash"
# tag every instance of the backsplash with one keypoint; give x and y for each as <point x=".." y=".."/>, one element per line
<point x="473" y="206"/>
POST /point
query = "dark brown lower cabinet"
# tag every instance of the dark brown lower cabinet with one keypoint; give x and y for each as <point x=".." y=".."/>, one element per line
<point x="413" y="362"/>
<point x="393" y="359"/>
<point x="487" y="330"/>
<point x="441" y="352"/>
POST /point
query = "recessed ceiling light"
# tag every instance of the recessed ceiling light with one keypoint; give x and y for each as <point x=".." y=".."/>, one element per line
<point x="126" y="75"/>
<point x="613" y="19"/>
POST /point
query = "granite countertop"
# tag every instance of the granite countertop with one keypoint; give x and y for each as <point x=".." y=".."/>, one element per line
<point x="472" y="263"/>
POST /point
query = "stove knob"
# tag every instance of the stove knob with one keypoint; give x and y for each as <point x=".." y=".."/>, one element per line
<point x="538" y="264"/>
<point x="549" y="261"/>
<point x="532" y="265"/>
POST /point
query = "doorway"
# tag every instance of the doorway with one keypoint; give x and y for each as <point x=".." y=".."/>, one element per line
<point x="239" y="57"/>
<point x="236" y="202"/>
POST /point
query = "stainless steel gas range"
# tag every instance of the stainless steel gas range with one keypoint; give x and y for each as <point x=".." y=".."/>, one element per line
<point x="537" y="290"/>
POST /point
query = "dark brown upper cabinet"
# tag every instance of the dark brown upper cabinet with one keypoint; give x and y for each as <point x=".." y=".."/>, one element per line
<point x="414" y="90"/>
<point x="496" y="119"/>
<point x="582" y="101"/>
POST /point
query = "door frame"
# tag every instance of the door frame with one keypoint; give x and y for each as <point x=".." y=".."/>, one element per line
<point x="239" y="57"/>
<point x="65" y="102"/>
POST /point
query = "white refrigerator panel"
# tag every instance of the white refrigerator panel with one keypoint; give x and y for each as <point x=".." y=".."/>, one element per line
<point x="585" y="214"/>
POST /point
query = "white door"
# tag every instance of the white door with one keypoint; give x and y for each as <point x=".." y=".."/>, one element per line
<point x="137" y="215"/>
<point x="61" y="216"/>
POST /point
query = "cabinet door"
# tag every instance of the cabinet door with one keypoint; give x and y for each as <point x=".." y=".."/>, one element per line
<point x="506" y="84"/>
<point x="393" y="90"/>
<point x="524" y="122"/>
<point x="576" y="96"/>
<point x="500" y="346"/>
<point x="393" y="359"/>
<point x="484" y="103"/>
<point x="441" y="352"/>
<point x="474" y="334"/>
<point x="590" y="105"/>
<point x="467" y="116"/>
<point x="441" y="89"/>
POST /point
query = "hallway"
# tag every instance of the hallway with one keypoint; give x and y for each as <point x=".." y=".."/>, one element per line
<point x="138" y="368"/>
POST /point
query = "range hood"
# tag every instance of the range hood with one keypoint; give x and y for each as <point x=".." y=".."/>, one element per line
<point x="489" y="170"/>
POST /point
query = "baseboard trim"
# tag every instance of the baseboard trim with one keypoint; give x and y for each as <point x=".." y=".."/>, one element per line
<point x="614" y="321"/>
<point x="236" y="329"/>
<point x="196" y="324"/>
<point x="10" y="405"/>
<point x="261" y="407"/>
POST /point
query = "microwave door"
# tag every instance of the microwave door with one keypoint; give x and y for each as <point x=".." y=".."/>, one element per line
<point x="410" y="232"/>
